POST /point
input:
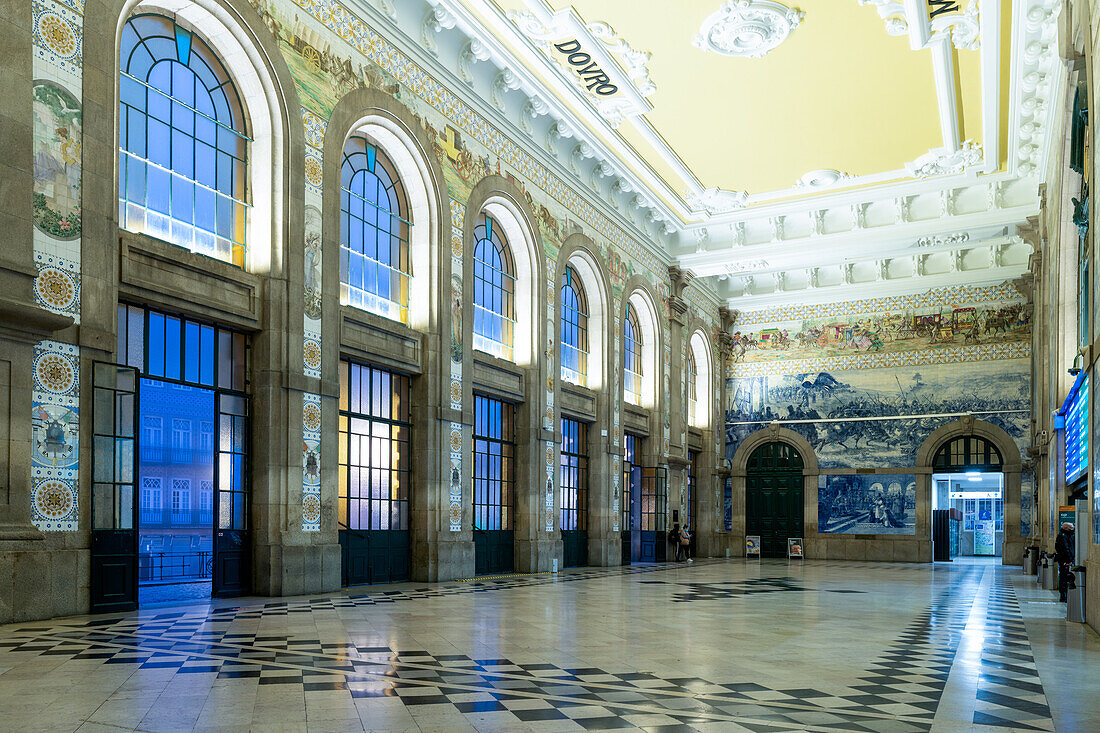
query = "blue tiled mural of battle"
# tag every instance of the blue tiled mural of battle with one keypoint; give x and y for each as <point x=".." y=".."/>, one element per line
<point x="878" y="418"/>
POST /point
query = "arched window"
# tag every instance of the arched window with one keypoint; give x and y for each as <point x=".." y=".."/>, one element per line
<point x="692" y="380"/>
<point x="574" y="329"/>
<point x="967" y="453"/>
<point x="494" y="290"/>
<point x="699" y="380"/>
<point x="632" y="363"/>
<point x="374" y="232"/>
<point x="182" y="139"/>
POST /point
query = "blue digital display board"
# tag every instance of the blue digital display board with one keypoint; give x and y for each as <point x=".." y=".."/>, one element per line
<point x="1075" y="411"/>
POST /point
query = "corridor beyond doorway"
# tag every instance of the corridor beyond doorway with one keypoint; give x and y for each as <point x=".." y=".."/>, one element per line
<point x="176" y="492"/>
<point x="978" y="500"/>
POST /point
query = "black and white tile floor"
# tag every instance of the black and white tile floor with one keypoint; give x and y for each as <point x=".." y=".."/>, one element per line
<point x="717" y="645"/>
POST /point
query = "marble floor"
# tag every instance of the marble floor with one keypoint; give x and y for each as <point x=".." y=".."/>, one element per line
<point x="717" y="645"/>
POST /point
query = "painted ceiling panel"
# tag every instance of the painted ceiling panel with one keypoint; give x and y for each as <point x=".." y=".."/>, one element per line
<point x="839" y="93"/>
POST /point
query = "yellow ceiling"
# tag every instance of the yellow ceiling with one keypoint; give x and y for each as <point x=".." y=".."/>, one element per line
<point x="840" y="93"/>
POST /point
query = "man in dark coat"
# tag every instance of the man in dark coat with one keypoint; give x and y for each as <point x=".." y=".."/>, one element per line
<point x="1063" y="555"/>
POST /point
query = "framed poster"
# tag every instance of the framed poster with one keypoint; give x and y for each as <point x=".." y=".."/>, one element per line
<point x="794" y="547"/>
<point x="752" y="546"/>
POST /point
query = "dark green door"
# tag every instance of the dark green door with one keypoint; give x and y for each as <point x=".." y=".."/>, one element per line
<point x="773" y="497"/>
<point x="114" y="553"/>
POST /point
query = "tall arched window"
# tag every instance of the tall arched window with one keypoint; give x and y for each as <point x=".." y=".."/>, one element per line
<point x="692" y="380"/>
<point x="494" y="290"/>
<point x="699" y="379"/>
<point x="183" y="147"/>
<point x="374" y="232"/>
<point x="632" y="362"/>
<point x="574" y="329"/>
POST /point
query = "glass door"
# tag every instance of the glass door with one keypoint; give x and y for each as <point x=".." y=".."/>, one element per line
<point x="232" y="553"/>
<point x="114" y="542"/>
<point x="652" y="511"/>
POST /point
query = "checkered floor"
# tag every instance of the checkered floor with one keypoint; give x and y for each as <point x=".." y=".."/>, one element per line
<point x="250" y="646"/>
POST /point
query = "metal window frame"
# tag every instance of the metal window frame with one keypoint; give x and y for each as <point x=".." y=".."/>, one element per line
<point x="482" y="440"/>
<point x="574" y="496"/>
<point x="347" y="415"/>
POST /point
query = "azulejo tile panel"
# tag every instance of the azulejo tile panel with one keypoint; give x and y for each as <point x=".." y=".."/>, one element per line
<point x="311" y="462"/>
<point x="314" y="129"/>
<point x="57" y="35"/>
<point x="454" y="510"/>
<point x="57" y="124"/>
<point x="57" y="286"/>
<point x="956" y="295"/>
<point x="984" y="352"/>
<point x="55" y="437"/>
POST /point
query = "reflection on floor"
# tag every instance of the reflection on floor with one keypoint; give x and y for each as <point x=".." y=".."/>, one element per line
<point x="717" y="645"/>
<point x="159" y="595"/>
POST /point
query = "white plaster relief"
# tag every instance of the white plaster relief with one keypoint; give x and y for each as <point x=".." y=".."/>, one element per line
<point x="747" y="28"/>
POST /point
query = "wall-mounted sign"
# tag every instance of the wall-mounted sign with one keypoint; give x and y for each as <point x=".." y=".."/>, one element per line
<point x="985" y="538"/>
<point x="1075" y="410"/>
<point x="592" y="77"/>
<point x="1066" y="514"/>
<point x="975" y="494"/>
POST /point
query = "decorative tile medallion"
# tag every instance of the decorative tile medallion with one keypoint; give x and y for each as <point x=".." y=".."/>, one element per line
<point x="54" y="505"/>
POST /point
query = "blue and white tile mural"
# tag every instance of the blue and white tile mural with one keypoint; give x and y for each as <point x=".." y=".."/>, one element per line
<point x="878" y="418"/>
<point x="867" y="504"/>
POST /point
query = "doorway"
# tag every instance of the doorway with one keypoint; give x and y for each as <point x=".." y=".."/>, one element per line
<point x="967" y="499"/>
<point x="977" y="499"/>
<point x="176" y="492"/>
<point x="644" y="506"/>
<point x="774" y="497"/>
<point x="375" y="458"/>
<point x="574" y="492"/>
<point x="494" y="478"/>
<point x="170" y="451"/>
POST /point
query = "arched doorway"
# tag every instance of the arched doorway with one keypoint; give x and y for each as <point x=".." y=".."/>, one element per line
<point x="773" y="496"/>
<point x="967" y="477"/>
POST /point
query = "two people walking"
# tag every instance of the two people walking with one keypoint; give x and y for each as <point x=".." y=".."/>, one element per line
<point x="681" y="540"/>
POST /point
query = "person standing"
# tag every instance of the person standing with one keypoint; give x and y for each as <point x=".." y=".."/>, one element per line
<point x="683" y="550"/>
<point x="1063" y="555"/>
<point x="674" y="540"/>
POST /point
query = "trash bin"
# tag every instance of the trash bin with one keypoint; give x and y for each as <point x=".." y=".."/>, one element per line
<point x="1034" y="559"/>
<point x="1041" y="569"/>
<point x="1075" y="598"/>
<point x="1050" y="577"/>
<point x="1029" y="562"/>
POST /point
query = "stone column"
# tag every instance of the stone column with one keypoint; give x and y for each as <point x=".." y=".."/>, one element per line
<point x="27" y="575"/>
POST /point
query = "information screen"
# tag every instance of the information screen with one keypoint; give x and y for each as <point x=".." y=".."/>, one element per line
<point x="1076" y="412"/>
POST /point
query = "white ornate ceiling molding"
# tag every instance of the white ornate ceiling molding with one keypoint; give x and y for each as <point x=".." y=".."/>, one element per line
<point x="717" y="201"/>
<point x="944" y="162"/>
<point x="942" y="239"/>
<point x="963" y="28"/>
<point x="747" y="28"/>
<point x="745" y="267"/>
<point x="1039" y="73"/>
<point x="822" y="178"/>
<point x="892" y="13"/>
<point x="633" y="62"/>
<point x="883" y="228"/>
<point x="611" y="75"/>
